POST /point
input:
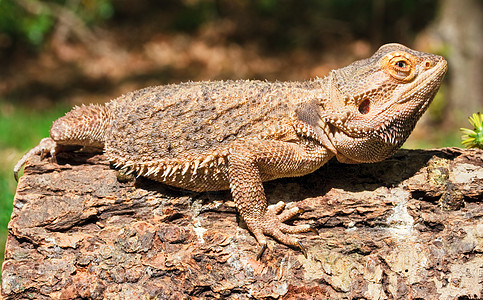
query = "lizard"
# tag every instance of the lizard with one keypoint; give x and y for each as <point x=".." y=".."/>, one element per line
<point x="219" y="135"/>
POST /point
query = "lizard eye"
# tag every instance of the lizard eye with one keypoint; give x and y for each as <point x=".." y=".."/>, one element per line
<point x="401" y="64"/>
<point x="400" y="67"/>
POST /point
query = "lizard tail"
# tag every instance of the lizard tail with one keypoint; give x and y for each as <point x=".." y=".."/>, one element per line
<point x="82" y="126"/>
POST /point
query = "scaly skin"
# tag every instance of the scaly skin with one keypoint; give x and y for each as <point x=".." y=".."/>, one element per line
<point x="237" y="134"/>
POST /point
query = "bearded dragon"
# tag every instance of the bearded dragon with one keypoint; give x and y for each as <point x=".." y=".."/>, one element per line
<point x="217" y="135"/>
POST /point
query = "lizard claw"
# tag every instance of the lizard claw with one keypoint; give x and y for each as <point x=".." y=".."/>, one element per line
<point x="262" y="249"/>
<point x="314" y="230"/>
<point x="302" y="249"/>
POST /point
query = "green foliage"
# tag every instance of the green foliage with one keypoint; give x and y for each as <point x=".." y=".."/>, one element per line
<point x="16" y="22"/>
<point x="279" y="24"/>
<point x="6" y="197"/>
<point x="473" y="138"/>
<point x="193" y="15"/>
<point x="23" y="128"/>
<point x="32" y="20"/>
<point x="7" y="188"/>
<point x="93" y="11"/>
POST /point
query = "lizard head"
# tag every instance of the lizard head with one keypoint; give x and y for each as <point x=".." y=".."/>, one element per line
<point x="373" y="104"/>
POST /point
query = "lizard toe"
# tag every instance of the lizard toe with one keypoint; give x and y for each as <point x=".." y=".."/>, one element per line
<point x="294" y="228"/>
<point x="276" y="208"/>
<point x="284" y="212"/>
<point x="271" y="225"/>
<point x="288" y="214"/>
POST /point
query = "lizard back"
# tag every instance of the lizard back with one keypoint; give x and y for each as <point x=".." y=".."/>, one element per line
<point x="193" y="119"/>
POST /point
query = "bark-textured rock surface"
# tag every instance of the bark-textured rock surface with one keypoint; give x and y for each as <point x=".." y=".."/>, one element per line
<point x="406" y="228"/>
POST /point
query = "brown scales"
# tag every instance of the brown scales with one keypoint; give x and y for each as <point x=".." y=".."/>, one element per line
<point x="236" y="134"/>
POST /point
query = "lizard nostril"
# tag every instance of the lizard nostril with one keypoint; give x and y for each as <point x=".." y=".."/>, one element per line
<point x="365" y="106"/>
<point x="427" y="64"/>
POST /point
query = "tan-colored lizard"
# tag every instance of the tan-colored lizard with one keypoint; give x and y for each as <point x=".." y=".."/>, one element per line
<point x="206" y="136"/>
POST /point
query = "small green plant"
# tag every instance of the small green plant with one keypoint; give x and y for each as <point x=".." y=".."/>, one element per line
<point x="473" y="138"/>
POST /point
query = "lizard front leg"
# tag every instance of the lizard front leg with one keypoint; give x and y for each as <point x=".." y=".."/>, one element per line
<point x="249" y="165"/>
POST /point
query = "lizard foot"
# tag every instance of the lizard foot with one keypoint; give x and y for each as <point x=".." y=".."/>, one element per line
<point x="46" y="146"/>
<point x="272" y="224"/>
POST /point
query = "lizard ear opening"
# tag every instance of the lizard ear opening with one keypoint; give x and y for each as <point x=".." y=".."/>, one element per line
<point x="365" y="106"/>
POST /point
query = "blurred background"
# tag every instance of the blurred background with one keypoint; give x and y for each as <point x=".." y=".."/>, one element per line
<point x="59" y="53"/>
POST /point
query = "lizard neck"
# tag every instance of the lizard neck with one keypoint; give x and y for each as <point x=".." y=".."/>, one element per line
<point x="308" y="124"/>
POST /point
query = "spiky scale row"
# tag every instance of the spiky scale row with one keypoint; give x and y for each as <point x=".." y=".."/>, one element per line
<point x="171" y="170"/>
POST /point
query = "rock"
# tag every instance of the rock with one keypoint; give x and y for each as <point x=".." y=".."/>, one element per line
<point x="405" y="228"/>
